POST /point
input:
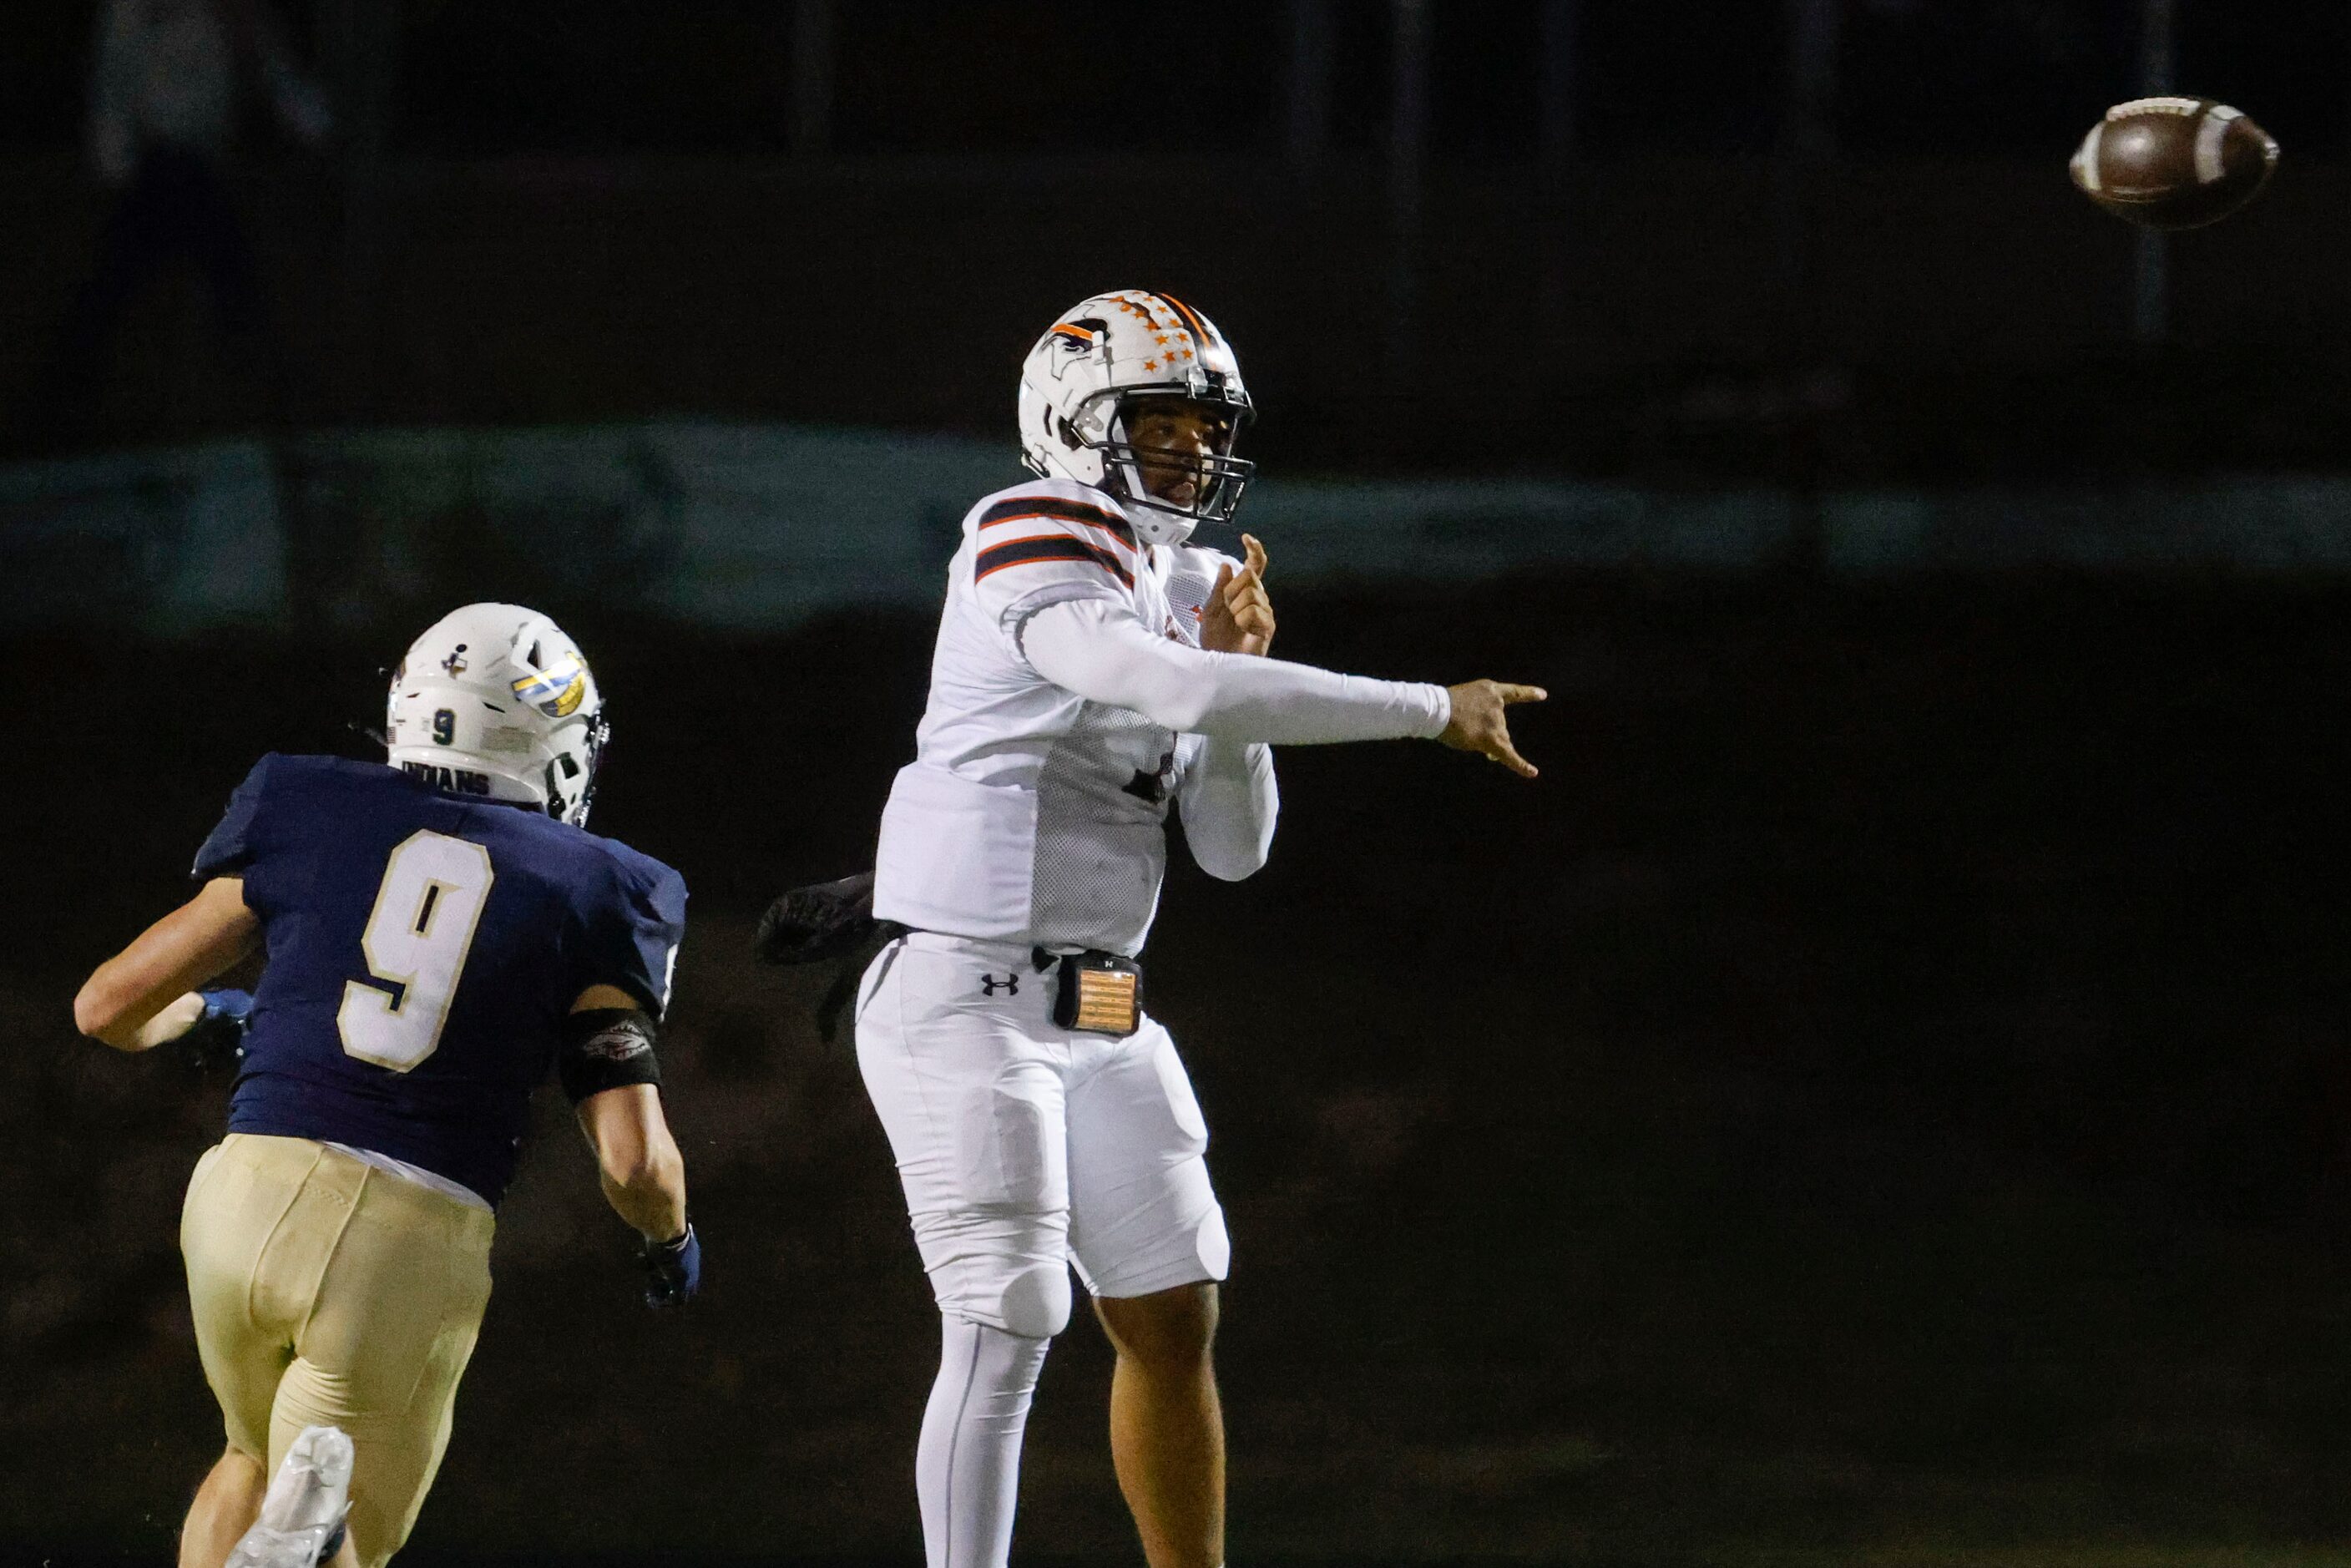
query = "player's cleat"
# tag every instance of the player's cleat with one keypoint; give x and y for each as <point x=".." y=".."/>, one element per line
<point x="301" y="1522"/>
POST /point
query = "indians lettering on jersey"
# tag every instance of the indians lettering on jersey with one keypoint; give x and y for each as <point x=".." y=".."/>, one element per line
<point x="1030" y="813"/>
<point x="424" y="945"/>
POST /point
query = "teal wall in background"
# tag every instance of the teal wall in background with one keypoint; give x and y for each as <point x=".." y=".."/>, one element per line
<point x="758" y="528"/>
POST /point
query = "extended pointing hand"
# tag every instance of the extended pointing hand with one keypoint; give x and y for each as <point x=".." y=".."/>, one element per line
<point x="1481" y="724"/>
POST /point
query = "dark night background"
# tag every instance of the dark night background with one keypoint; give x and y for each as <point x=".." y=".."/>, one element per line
<point x="1879" y="1098"/>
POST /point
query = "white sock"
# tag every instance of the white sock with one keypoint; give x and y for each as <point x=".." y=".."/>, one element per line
<point x="968" y="1468"/>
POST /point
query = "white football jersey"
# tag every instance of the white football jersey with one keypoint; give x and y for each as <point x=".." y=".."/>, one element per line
<point x="1030" y="814"/>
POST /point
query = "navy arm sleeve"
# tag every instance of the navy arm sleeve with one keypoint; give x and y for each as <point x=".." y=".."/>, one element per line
<point x="632" y="941"/>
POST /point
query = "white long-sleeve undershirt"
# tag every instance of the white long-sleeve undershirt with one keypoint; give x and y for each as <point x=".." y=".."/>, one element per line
<point x="1102" y="652"/>
<point x="1229" y="803"/>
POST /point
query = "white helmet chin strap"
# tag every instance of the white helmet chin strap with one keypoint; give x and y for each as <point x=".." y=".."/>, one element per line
<point x="1157" y="525"/>
<point x="1153" y="523"/>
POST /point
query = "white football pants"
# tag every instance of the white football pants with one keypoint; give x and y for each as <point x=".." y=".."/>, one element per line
<point x="1024" y="1148"/>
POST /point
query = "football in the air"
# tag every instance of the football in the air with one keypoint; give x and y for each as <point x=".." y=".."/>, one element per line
<point x="2174" y="162"/>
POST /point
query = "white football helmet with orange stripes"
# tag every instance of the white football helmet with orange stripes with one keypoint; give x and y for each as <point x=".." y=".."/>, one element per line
<point x="494" y="700"/>
<point x="1078" y="390"/>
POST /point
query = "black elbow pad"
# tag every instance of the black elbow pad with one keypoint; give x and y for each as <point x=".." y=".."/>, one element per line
<point x="606" y="1048"/>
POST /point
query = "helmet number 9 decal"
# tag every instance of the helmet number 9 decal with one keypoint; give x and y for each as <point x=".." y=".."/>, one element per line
<point x="415" y="945"/>
<point x="444" y="725"/>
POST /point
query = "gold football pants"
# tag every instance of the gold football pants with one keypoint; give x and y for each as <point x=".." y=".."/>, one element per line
<point x="330" y="1293"/>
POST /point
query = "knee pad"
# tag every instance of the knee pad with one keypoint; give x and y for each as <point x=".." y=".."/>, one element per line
<point x="1181" y="1241"/>
<point x="1035" y="1303"/>
<point x="1008" y="1271"/>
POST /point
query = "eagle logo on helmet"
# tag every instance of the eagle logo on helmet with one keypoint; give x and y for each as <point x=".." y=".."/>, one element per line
<point x="1077" y="342"/>
<point x="556" y="691"/>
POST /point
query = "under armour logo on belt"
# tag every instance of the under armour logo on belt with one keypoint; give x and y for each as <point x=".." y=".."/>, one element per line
<point x="1010" y="984"/>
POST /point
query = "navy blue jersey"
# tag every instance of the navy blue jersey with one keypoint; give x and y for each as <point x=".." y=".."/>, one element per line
<point x="424" y="949"/>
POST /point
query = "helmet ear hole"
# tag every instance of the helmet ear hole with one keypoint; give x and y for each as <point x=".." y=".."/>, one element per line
<point x="1069" y="436"/>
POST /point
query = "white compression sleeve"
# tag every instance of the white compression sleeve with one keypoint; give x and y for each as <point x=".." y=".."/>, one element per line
<point x="1103" y="652"/>
<point x="1229" y="801"/>
<point x="968" y="1465"/>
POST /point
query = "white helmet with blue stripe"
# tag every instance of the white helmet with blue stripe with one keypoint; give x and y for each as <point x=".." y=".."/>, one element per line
<point x="494" y="700"/>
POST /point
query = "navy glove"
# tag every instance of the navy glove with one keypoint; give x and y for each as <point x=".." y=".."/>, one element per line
<point x="217" y="1039"/>
<point x="673" y="1270"/>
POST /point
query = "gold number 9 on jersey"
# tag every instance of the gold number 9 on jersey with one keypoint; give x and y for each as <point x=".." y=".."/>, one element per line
<point x="416" y="940"/>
